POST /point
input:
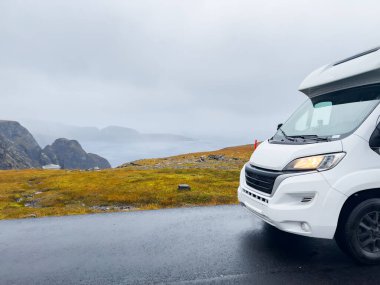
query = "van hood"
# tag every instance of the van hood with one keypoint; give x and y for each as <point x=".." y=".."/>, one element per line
<point x="277" y="156"/>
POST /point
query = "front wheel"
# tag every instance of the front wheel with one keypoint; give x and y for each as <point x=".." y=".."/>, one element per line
<point x="359" y="236"/>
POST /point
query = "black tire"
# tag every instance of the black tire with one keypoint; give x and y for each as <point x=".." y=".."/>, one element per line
<point x="359" y="234"/>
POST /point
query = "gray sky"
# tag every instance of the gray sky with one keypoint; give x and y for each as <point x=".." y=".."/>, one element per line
<point x="198" y="68"/>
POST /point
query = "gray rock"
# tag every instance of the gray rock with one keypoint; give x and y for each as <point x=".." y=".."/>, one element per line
<point x="201" y="159"/>
<point x="32" y="204"/>
<point x="18" y="148"/>
<point x="215" y="157"/>
<point x="113" y="208"/>
<point x="184" y="187"/>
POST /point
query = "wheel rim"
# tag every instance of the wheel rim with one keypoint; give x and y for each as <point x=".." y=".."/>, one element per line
<point x="368" y="232"/>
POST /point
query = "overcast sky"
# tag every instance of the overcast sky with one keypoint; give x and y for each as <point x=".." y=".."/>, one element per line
<point x="199" y="68"/>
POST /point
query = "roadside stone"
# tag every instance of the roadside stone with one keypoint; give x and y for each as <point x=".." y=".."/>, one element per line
<point x="184" y="187"/>
<point x="215" y="157"/>
<point x="111" y="208"/>
<point x="201" y="159"/>
<point x="31" y="204"/>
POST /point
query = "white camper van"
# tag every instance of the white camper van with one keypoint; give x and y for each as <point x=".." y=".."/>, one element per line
<point x="319" y="175"/>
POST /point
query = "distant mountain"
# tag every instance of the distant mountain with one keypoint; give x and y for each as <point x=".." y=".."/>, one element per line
<point x="46" y="132"/>
<point x="118" y="144"/>
<point x="19" y="150"/>
<point x="70" y="155"/>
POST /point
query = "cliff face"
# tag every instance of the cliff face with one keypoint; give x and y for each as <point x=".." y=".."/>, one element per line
<point x="70" y="155"/>
<point x="99" y="161"/>
<point x="19" y="150"/>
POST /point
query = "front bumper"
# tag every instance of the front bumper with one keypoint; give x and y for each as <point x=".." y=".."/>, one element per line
<point x="302" y="204"/>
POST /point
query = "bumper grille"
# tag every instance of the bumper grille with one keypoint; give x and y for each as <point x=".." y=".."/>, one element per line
<point x="255" y="196"/>
<point x="260" y="179"/>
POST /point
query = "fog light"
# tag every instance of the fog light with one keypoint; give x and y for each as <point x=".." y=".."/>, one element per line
<point x="305" y="227"/>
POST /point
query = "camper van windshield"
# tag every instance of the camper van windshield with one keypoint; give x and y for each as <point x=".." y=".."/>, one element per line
<point x="330" y="116"/>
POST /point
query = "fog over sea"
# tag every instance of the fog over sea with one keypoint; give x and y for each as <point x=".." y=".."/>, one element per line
<point x="119" y="153"/>
<point x="121" y="144"/>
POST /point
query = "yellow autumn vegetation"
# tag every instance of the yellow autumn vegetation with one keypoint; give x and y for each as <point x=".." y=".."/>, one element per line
<point x="37" y="193"/>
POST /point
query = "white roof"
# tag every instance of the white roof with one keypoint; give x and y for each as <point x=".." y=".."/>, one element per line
<point x="358" y="70"/>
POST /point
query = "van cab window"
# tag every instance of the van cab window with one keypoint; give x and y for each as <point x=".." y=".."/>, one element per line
<point x="321" y="114"/>
<point x="329" y="116"/>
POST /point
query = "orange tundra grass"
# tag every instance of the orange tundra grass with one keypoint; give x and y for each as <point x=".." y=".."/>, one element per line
<point x="37" y="193"/>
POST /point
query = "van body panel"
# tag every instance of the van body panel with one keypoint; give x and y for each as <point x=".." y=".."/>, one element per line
<point x="359" y="71"/>
<point x="276" y="156"/>
<point x="286" y="211"/>
<point x="367" y="127"/>
<point x="358" y="171"/>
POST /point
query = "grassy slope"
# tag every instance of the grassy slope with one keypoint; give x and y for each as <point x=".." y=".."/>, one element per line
<point x="148" y="184"/>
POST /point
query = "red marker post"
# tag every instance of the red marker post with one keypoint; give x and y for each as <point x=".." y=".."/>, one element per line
<point x="255" y="145"/>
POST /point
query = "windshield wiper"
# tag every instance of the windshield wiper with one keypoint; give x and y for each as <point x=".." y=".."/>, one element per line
<point x="304" y="137"/>
<point x="311" y="137"/>
<point x="286" y="136"/>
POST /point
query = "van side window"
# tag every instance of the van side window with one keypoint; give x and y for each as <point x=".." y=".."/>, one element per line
<point x="374" y="141"/>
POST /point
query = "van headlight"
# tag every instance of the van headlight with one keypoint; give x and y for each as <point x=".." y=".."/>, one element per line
<point x="317" y="162"/>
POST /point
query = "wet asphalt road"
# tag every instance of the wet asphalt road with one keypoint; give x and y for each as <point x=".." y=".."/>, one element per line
<point x="210" y="245"/>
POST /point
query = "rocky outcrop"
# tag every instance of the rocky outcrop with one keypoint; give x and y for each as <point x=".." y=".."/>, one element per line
<point x="99" y="161"/>
<point x="70" y="155"/>
<point x="12" y="157"/>
<point x="19" y="150"/>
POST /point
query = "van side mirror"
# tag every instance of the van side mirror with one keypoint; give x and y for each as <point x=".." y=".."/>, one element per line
<point x="374" y="141"/>
<point x="279" y="126"/>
